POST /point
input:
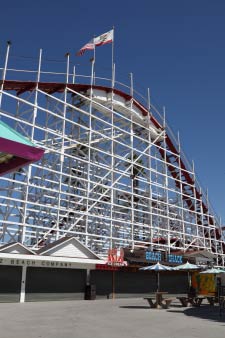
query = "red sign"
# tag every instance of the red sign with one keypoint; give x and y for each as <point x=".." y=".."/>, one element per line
<point x="116" y="257"/>
<point x="106" y="267"/>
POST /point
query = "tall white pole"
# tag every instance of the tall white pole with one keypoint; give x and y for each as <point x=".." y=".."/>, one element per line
<point x="113" y="65"/>
<point x="93" y="66"/>
<point x="4" y="70"/>
<point x="178" y="142"/>
<point x="23" y="284"/>
<point x="92" y="69"/>
<point x="113" y="76"/>
<point x="149" y="100"/>
<point x="164" y="117"/>
<point x="131" y="85"/>
<point x="74" y="73"/>
<point x="23" y="228"/>
<point x="67" y="67"/>
<point x="39" y="65"/>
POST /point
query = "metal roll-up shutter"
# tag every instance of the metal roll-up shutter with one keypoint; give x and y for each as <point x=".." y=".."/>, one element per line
<point x="174" y="282"/>
<point x="10" y="283"/>
<point x="103" y="282"/>
<point x="55" y="284"/>
<point x="141" y="283"/>
<point x="134" y="284"/>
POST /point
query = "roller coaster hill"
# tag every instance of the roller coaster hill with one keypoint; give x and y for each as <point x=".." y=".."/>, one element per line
<point x="113" y="174"/>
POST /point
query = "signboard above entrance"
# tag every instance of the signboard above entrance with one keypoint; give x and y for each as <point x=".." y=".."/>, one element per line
<point x="116" y="257"/>
<point x="153" y="256"/>
<point x="162" y="257"/>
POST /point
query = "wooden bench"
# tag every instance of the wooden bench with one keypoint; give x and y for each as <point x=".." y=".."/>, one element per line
<point x="184" y="300"/>
<point x="166" y="302"/>
<point x="195" y="301"/>
<point x="222" y="304"/>
<point x="212" y="300"/>
<point x="151" y="301"/>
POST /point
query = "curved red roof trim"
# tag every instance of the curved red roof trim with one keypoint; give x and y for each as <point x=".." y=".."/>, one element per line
<point x="51" y="87"/>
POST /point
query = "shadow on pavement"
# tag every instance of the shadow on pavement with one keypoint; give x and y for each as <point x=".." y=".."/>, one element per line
<point x="204" y="312"/>
<point x="134" y="307"/>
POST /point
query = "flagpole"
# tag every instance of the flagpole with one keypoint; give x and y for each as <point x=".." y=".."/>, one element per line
<point x="74" y="73"/>
<point x="93" y="67"/>
<point x="93" y="64"/>
<point x="4" y="69"/>
<point x="113" y="74"/>
<point x="67" y="66"/>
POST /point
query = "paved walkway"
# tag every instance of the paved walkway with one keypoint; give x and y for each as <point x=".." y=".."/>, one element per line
<point x="120" y="318"/>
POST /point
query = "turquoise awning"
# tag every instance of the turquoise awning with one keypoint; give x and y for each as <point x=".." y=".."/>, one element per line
<point x="16" y="150"/>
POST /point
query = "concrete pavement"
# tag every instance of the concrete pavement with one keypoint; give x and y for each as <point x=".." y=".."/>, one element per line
<point x="122" y="318"/>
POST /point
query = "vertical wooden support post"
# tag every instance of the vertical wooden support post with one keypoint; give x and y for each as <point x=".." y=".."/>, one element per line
<point x="23" y="284"/>
<point x="113" y="284"/>
<point x="88" y="277"/>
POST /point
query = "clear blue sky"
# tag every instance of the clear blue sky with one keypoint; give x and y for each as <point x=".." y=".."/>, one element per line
<point x="176" y="48"/>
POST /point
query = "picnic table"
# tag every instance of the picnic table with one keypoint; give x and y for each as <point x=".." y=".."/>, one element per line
<point x="221" y="304"/>
<point x="157" y="301"/>
<point x="196" y="300"/>
<point x="212" y="299"/>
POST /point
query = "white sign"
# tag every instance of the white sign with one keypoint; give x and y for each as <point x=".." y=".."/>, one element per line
<point x="37" y="263"/>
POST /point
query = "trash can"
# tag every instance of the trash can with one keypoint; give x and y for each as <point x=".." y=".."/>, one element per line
<point x="90" y="292"/>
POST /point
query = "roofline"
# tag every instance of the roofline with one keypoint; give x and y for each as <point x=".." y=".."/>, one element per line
<point x="23" y="258"/>
<point x="65" y="241"/>
<point x="13" y="244"/>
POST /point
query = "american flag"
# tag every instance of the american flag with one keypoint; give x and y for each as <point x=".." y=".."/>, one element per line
<point x="88" y="46"/>
<point x="98" y="41"/>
